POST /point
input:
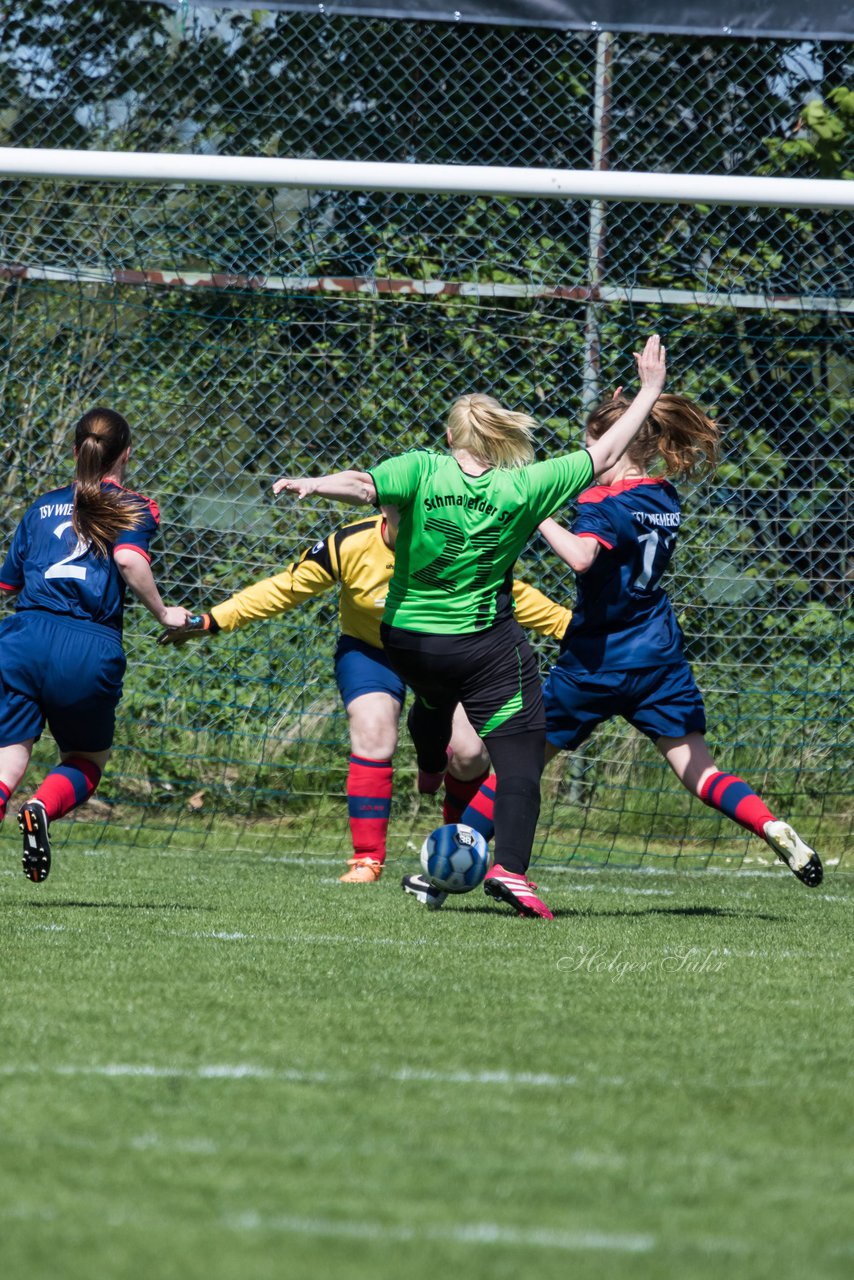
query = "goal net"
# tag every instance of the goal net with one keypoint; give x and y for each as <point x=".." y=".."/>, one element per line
<point x="249" y="326"/>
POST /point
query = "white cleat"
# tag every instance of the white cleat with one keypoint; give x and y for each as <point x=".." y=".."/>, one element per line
<point x="801" y="860"/>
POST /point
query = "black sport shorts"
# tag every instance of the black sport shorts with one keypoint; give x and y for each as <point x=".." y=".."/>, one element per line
<point x="493" y="673"/>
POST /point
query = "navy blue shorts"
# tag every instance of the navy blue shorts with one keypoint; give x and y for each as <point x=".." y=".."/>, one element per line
<point x="662" y="702"/>
<point x="61" y="671"/>
<point x="362" y="668"/>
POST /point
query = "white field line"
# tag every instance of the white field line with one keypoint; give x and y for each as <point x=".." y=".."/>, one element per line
<point x="543" y="868"/>
<point x="627" y="890"/>
<point x="310" y="939"/>
<point x="332" y="939"/>
<point x="242" y="1071"/>
<point x="476" y="1233"/>
<point x="291" y="1075"/>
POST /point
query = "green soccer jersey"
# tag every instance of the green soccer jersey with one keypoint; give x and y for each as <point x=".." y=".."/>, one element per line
<point x="460" y="535"/>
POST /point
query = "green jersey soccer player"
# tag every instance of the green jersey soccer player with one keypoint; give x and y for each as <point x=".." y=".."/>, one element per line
<point x="448" y="628"/>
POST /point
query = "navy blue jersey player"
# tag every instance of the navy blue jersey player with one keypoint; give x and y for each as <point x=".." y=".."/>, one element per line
<point x="622" y="652"/>
<point x="61" y="657"/>
<point x="623" y="619"/>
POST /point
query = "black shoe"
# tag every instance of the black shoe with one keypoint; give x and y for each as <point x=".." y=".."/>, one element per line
<point x="421" y="888"/>
<point x="32" y="819"/>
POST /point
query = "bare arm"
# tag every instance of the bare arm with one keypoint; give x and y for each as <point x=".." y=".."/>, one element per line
<point x="136" y="572"/>
<point x="344" y="486"/>
<point x="578" y="553"/>
<point x="610" y="447"/>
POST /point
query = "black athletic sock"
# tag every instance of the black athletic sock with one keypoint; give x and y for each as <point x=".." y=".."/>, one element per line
<point x="518" y="764"/>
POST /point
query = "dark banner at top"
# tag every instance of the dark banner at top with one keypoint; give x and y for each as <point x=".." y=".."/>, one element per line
<point x="818" y="20"/>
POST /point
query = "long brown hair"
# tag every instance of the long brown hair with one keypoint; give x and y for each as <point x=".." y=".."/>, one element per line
<point x="100" y="515"/>
<point x="677" y="431"/>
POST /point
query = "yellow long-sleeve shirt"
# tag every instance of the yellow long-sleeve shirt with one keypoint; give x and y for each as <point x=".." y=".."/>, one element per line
<point x="356" y="558"/>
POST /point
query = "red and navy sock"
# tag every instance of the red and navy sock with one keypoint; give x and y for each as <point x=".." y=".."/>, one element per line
<point x="730" y="795"/>
<point x="459" y="795"/>
<point x="480" y="812"/>
<point x="5" y="797"/>
<point x="369" y="785"/>
<point x="68" y="785"/>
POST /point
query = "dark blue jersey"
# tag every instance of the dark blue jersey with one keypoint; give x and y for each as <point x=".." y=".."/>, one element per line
<point x="622" y="619"/>
<point x="53" y="572"/>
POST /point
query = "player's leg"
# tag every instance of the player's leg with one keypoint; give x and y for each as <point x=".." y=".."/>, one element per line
<point x="66" y="786"/>
<point x="468" y="767"/>
<point x="574" y="705"/>
<point x="373" y="696"/>
<point x="430" y="723"/>
<point x="466" y="773"/>
<point x="480" y="810"/>
<point x="81" y="688"/>
<point x="373" y="722"/>
<point x="503" y="699"/>
<point x="429" y="666"/>
<point x="667" y="706"/>
<point x="14" y="760"/>
<point x="24" y="652"/>
<point x="690" y="759"/>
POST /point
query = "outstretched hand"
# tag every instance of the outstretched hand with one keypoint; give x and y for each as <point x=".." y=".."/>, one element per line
<point x="302" y="487"/>
<point x="175" y="616"/>
<point x="652" y="363"/>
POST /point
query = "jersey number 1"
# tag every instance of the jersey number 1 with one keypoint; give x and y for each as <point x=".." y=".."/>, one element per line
<point x="651" y="542"/>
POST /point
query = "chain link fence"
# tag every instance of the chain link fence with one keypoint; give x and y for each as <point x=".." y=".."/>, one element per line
<point x="246" y="333"/>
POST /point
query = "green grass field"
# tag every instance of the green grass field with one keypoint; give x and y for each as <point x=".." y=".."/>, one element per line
<point x="219" y="1065"/>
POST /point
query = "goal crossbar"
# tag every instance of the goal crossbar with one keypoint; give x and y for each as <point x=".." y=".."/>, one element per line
<point x="434" y="179"/>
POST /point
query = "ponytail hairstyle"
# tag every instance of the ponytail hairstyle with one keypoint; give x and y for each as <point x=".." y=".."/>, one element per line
<point x="100" y="515"/>
<point x="676" y="430"/>
<point x="497" y="437"/>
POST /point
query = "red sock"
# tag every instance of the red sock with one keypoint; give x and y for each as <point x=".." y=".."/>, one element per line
<point x="5" y="797"/>
<point x="458" y="795"/>
<point x="730" y="795"/>
<point x="480" y="812"/>
<point x="369" y="785"/>
<point x="68" y="785"/>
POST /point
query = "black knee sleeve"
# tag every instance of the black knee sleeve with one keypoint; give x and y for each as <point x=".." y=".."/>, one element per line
<point x="430" y="730"/>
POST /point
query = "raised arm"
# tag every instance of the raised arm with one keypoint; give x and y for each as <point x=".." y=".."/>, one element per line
<point x="652" y="368"/>
<point x="342" y="486"/>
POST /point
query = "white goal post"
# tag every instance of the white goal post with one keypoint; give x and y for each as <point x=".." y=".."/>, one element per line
<point x="434" y="179"/>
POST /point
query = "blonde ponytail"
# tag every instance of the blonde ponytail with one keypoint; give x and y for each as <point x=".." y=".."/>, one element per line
<point x="497" y="437"/>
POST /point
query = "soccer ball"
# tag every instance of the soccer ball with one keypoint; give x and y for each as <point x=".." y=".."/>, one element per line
<point x="455" y="858"/>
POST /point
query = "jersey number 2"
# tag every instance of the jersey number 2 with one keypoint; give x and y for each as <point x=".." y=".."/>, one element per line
<point x="484" y="541"/>
<point x="64" y="567"/>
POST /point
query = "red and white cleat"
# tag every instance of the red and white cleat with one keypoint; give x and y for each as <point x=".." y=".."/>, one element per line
<point x="510" y="887"/>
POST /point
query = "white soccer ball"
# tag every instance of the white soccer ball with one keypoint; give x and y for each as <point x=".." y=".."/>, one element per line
<point x="455" y="858"/>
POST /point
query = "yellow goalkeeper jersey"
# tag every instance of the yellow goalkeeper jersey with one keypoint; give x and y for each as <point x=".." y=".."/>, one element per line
<point x="356" y="558"/>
